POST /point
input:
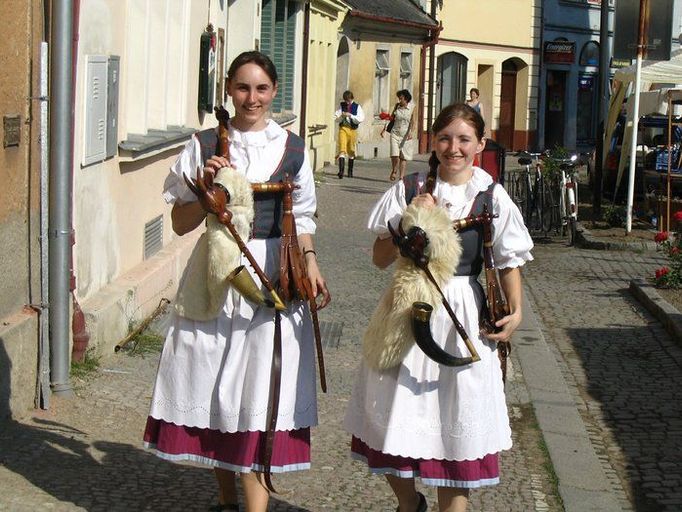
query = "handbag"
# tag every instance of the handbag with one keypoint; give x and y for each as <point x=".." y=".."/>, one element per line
<point x="389" y="126"/>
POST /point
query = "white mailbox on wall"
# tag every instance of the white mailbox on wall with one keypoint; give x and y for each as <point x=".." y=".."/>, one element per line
<point x="101" y="107"/>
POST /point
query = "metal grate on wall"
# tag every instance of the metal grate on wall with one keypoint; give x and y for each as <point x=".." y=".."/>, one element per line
<point x="153" y="236"/>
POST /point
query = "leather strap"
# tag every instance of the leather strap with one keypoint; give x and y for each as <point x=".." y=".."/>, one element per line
<point x="275" y="384"/>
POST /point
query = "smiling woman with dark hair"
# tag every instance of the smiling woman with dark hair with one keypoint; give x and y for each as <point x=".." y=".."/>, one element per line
<point x="211" y="398"/>
<point x="410" y="416"/>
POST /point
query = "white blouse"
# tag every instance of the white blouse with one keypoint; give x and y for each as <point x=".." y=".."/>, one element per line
<point x="256" y="154"/>
<point x="511" y="250"/>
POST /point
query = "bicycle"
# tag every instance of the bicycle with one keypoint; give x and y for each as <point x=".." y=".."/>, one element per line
<point x="562" y="173"/>
<point x="535" y="197"/>
<point x="568" y="199"/>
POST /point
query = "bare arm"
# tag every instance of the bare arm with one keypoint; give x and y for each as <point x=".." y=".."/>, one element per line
<point x="384" y="252"/>
<point x="319" y="285"/>
<point x="510" y="281"/>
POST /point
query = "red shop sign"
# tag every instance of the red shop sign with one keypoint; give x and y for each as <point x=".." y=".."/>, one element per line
<point x="559" y="52"/>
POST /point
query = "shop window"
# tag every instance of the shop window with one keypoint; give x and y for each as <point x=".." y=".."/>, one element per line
<point x="381" y="71"/>
<point x="589" y="55"/>
<point x="585" y="112"/>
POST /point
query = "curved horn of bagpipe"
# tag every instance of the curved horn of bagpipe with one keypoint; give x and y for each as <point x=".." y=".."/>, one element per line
<point x="412" y="245"/>
<point x="421" y="328"/>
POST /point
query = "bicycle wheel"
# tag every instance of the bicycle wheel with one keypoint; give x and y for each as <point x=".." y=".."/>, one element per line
<point x="572" y="231"/>
<point x="550" y="209"/>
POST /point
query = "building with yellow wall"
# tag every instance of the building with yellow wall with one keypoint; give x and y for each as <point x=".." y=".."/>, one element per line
<point x="494" y="47"/>
<point x="381" y="52"/>
<point x="325" y="17"/>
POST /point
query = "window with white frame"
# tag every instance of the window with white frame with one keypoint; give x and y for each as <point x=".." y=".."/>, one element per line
<point x="156" y="66"/>
<point x="406" y="70"/>
<point x="380" y="96"/>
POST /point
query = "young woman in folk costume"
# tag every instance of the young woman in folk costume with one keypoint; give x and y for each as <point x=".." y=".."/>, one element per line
<point x="410" y="416"/>
<point x="212" y="391"/>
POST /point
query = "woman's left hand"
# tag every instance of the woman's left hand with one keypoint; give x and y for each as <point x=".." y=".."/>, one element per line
<point x="317" y="283"/>
<point x="508" y="324"/>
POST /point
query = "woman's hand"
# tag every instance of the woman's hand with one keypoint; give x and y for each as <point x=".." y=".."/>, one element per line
<point x="214" y="164"/>
<point x="508" y="325"/>
<point x="383" y="131"/>
<point x="317" y="282"/>
<point x="424" y="201"/>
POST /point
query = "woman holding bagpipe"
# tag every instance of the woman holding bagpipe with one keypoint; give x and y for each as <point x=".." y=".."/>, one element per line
<point x="409" y="415"/>
<point x="213" y="389"/>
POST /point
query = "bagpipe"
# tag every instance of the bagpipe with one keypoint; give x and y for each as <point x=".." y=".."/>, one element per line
<point x="294" y="283"/>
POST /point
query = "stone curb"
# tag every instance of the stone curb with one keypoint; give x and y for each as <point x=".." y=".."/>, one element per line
<point x="582" y="482"/>
<point x="587" y="241"/>
<point x="669" y="316"/>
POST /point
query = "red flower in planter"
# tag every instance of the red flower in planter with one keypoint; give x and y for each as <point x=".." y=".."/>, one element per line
<point x="674" y="251"/>
<point x="662" y="272"/>
<point x="661" y="236"/>
<point x="678" y="216"/>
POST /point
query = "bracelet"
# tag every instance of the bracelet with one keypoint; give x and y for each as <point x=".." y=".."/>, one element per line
<point x="308" y="251"/>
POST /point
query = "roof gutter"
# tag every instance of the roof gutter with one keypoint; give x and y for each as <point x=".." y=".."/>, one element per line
<point x="392" y="21"/>
<point x="424" y="135"/>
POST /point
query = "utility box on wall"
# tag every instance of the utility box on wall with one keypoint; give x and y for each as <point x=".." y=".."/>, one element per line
<point x="101" y="108"/>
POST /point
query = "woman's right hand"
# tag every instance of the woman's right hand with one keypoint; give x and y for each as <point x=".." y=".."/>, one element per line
<point x="214" y="164"/>
<point x="424" y="201"/>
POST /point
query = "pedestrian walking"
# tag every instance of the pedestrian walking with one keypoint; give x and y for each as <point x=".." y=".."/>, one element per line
<point x="446" y="425"/>
<point x="212" y="392"/>
<point x="350" y="115"/>
<point x="401" y="133"/>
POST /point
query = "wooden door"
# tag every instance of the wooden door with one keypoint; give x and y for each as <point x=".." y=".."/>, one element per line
<point x="505" y="134"/>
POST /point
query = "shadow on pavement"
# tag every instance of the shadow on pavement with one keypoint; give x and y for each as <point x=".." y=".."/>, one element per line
<point x="636" y="386"/>
<point x="68" y="465"/>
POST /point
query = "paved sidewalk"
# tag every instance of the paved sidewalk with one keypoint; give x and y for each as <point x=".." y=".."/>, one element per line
<point x="600" y="373"/>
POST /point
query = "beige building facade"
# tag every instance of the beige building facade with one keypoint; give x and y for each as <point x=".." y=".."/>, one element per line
<point x="325" y="17"/>
<point x="20" y="221"/>
<point x="492" y="46"/>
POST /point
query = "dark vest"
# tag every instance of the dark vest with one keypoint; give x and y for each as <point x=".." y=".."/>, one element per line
<point x="353" y="109"/>
<point x="267" y="221"/>
<point x="471" y="261"/>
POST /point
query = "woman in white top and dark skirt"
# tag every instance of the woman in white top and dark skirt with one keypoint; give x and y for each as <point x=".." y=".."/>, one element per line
<point x="446" y="425"/>
<point x="211" y="397"/>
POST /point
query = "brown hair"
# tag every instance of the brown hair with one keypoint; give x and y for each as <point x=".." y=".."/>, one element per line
<point x="447" y="116"/>
<point x="253" y="57"/>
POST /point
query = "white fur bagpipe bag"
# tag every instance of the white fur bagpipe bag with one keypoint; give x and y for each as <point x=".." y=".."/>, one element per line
<point x="389" y="336"/>
<point x="204" y="285"/>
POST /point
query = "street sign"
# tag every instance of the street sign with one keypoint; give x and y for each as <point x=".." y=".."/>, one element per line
<point x="659" y="33"/>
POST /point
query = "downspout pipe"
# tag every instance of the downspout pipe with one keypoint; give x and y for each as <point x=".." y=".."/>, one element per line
<point x="432" y="73"/>
<point x="424" y="135"/>
<point x="60" y="186"/>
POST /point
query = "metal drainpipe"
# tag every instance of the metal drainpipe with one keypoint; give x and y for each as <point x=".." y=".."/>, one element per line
<point x="432" y="63"/>
<point x="61" y="163"/>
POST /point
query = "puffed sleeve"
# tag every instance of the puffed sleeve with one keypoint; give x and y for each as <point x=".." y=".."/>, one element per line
<point x="388" y="209"/>
<point x="359" y="117"/>
<point x="511" y="241"/>
<point x="175" y="188"/>
<point x="305" y="200"/>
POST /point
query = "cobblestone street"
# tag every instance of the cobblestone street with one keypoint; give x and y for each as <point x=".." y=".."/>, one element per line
<point x="621" y="367"/>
